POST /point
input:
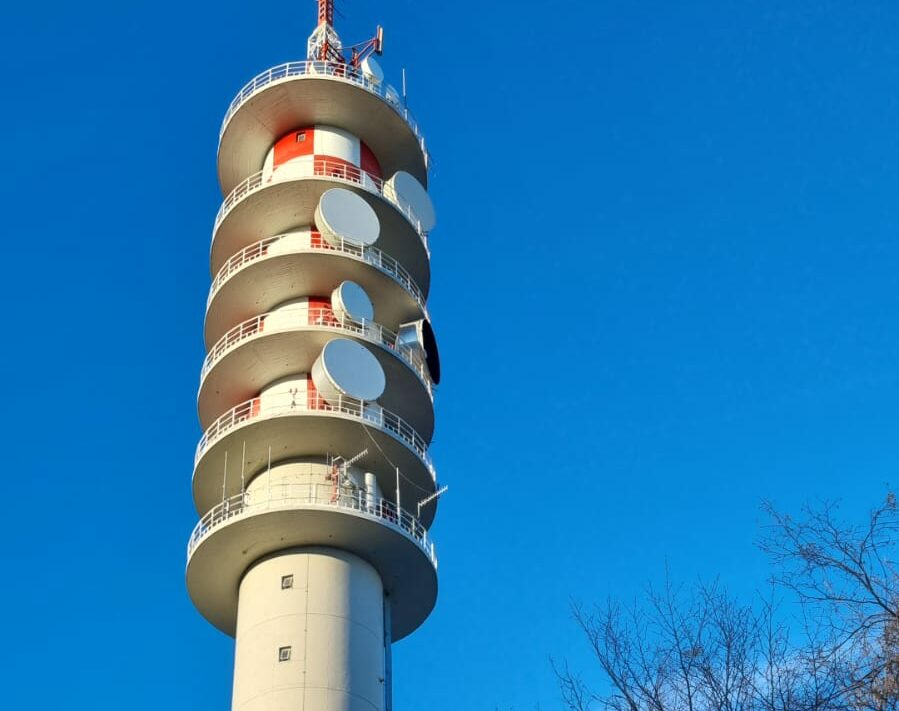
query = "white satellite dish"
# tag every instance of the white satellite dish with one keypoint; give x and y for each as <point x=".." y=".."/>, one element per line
<point x="343" y="215"/>
<point x="372" y="70"/>
<point x="350" y="301"/>
<point x="347" y="368"/>
<point x="406" y="190"/>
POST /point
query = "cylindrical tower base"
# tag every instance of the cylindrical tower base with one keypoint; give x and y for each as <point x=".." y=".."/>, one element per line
<point x="310" y="634"/>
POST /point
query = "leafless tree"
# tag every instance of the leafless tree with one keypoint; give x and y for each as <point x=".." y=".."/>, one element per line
<point x="703" y="652"/>
<point x="846" y="575"/>
<point x="707" y="651"/>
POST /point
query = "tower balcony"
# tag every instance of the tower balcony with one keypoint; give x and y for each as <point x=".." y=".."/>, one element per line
<point x="279" y="268"/>
<point x="270" y="202"/>
<point x="274" y="345"/>
<point x="315" y="92"/>
<point x="255" y="435"/>
<point x="250" y="525"/>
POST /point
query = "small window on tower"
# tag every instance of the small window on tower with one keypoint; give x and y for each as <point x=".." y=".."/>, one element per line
<point x="284" y="654"/>
<point x="286" y="582"/>
<point x="301" y="136"/>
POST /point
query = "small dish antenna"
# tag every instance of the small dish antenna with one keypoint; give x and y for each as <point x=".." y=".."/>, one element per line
<point x="406" y="189"/>
<point x="371" y="69"/>
<point x="346" y="368"/>
<point x="349" y="301"/>
<point x="341" y="215"/>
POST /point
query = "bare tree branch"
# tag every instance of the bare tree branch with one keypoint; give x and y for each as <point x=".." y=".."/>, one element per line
<point x="707" y="651"/>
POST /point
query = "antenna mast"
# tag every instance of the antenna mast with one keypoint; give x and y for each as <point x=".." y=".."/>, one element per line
<point x="326" y="11"/>
<point x="324" y="43"/>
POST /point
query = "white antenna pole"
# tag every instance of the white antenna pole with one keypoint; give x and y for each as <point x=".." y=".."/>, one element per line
<point x="397" y="492"/>
<point x="405" y="103"/>
<point x="225" y="475"/>
<point x="243" y="459"/>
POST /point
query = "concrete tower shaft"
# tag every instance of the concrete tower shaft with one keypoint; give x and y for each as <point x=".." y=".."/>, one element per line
<point x="317" y="392"/>
<point x="329" y="621"/>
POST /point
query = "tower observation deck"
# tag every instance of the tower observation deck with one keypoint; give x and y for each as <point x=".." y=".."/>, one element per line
<point x="312" y="480"/>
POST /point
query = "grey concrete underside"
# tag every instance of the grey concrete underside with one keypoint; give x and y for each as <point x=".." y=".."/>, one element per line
<point x="271" y="280"/>
<point x="303" y="101"/>
<point x="280" y="206"/>
<point x="218" y="563"/>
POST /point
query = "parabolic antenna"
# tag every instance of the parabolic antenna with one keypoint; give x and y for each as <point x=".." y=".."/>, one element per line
<point x="347" y="368"/>
<point x="407" y="190"/>
<point x="349" y="300"/>
<point x="372" y="70"/>
<point x="343" y="215"/>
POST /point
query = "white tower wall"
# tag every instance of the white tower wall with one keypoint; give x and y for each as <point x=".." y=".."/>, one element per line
<point x="326" y="144"/>
<point x="284" y="393"/>
<point x="332" y="621"/>
<point x="288" y="313"/>
<point x="312" y="479"/>
<point x="289" y="241"/>
<point x="330" y="141"/>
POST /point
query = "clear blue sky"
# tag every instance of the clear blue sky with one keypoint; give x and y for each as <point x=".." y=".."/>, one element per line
<point x="665" y="287"/>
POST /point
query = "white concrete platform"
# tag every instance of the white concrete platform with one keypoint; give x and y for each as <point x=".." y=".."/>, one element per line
<point x="222" y="550"/>
<point x="243" y="368"/>
<point x="268" y="277"/>
<point x="290" y="433"/>
<point x="271" y="208"/>
<point x="302" y="94"/>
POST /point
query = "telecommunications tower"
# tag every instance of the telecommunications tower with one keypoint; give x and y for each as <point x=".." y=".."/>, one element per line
<point x="312" y="479"/>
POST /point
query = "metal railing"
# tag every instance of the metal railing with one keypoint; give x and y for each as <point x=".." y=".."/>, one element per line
<point x="320" y="316"/>
<point x="287" y="496"/>
<point x="341" y="72"/>
<point x="321" y="168"/>
<point x="366" y="413"/>
<point x="370" y="255"/>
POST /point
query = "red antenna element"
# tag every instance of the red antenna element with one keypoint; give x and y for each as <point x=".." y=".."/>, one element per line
<point x="326" y="12"/>
<point x="375" y="44"/>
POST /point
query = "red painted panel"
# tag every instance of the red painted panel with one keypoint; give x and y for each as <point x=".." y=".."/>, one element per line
<point x="369" y="162"/>
<point x="294" y="144"/>
<point x="320" y="313"/>
<point x="312" y="399"/>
